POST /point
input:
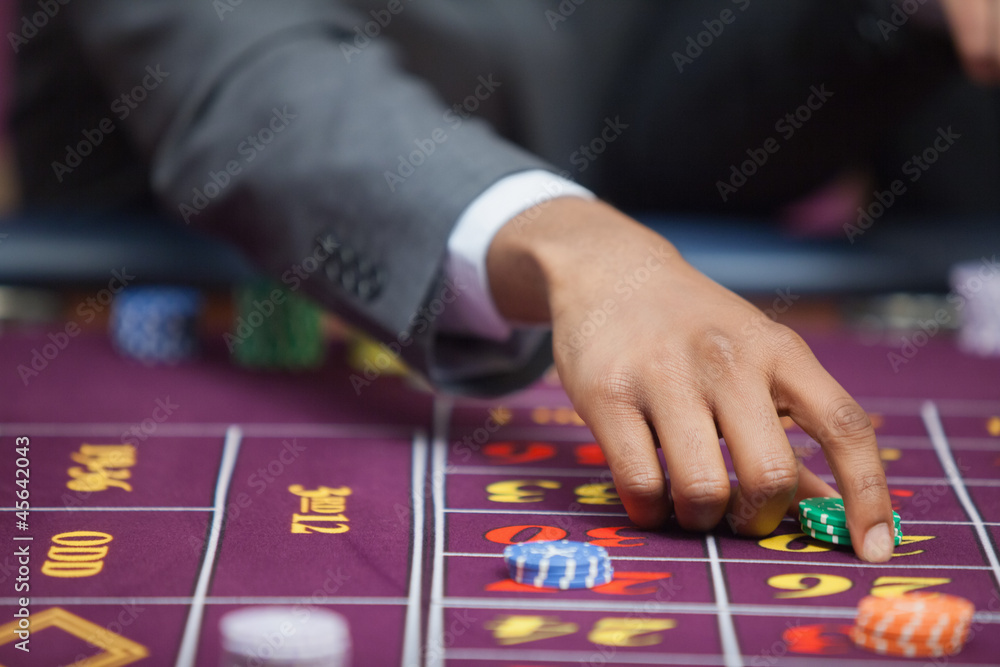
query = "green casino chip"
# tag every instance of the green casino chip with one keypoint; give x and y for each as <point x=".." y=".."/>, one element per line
<point x="829" y="528"/>
<point x="829" y="511"/>
<point x="841" y="540"/>
<point x="276" y="329"/>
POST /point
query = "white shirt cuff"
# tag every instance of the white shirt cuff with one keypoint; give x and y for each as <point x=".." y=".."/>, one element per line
<point x="474" y="312"/>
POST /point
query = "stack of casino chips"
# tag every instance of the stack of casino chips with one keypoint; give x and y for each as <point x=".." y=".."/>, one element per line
<point x="915" y="625"/>
<point x="156" y="324"/>
<point x="824" y="519"/>
<point x="276" y="329"/>
<point x="558" y="564"/>
<point x="977" y="285"/>
<point x="303" y="636"/>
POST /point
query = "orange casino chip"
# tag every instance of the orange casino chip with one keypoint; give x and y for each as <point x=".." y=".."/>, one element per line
<point x="912" y="626"/>
<point x="913" y="614"/>
<point x="903" y="648"/>
<point x="917" y="624"/>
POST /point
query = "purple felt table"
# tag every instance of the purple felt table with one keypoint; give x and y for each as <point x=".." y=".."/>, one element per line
<point x="362" y="502"/>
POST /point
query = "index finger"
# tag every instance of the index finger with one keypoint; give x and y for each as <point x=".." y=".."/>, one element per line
<point x="825" y="411"/>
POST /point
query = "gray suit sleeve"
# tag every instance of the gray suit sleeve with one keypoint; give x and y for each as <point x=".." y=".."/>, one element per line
<point x="267" y="124"/>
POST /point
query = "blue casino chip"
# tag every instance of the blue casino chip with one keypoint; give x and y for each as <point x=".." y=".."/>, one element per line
<point x="589" y="578"/>
<point x="564" y="583"/>
<point x="559" y="564"/>
<point x="156" y="324"/>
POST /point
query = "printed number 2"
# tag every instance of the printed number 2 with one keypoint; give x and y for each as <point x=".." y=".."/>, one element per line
<point x="797" y="585"/>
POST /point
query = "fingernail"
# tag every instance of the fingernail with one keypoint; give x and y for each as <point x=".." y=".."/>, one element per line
<point x="878" y="544"/>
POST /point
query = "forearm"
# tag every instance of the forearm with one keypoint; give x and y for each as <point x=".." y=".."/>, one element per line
<point x="265" y="132"/>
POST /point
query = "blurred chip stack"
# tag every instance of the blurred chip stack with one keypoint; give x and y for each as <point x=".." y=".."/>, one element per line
<point x="976" y="286"/>
<point x="561" y="564"/>
<point x="270" y="636"/>
<point x="825" y="519"/>
<point x="915" y="625"/>
<point x="276" y="329"/>
<point x="156" y="324"/>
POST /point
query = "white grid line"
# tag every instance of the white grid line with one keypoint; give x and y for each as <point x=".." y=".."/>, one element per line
<point x="452" y="510"/>
<point x="557" y="604"/>
<point x="439" y="454"/>
<point x="586" y="657"/>
<point x="727" y="631"/>
<point x="232" y="600"/>
<point x="932" y="420"/>
<point x="545" y="513"/>
<point x="114" y="509"/>
<point x="448" y="510"/>
<point x="938" y="442"/>
<point x="212" y="430"/>
<point x="596" y="471"/>
<point x="606" y="473"/>
<point x="763" y="561"/>
<point x="722" y="609"/>
<point x="189" y="645"/>
<point x="411" y="632"/>
<point x="614" y="606"/>
<point x="582" y="657"/>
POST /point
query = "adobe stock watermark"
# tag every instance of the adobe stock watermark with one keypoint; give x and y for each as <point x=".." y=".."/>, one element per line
<point x="86" y="310"/>
<point x="122" y="107"/>
<point x="535" y="204"/>
<point x="625" y="287"/>
<point x="163" y="410"/>
<point x="776" y="652"/>
<point x="296" y="274"/>
<point x="370" y="30"/>
<point x="902" y="12"/>
<point x="110" y="635"/>
<point x="472" y="442"/>
<point x="404" y="513"/>
<point x="460" y="621"/>
<point x="420" y="322"/>
<point x="259" y="480"/>
<point x="587" y="153"/>
<point x="786" y="126"/>
<point x="261" y="310"/>
<point x="248" y="149"/>
<point x="924" y="500"/>
<point x="928" y="329"/>
<point x="408" y="163"/>
<point x="87" y="481"/>
<point x="582" y="158"/>
<point x="914" y="168"/>
<point x="295" y="618"/>
<point x="34" y="22"/>
<point x="645" y="620"/>
<point x="563" y="11"/>
<point x="223" y="7"/>
<point x="783" y="301"/>
<point x="696" y="44"/>
<point x="749" y="509"/>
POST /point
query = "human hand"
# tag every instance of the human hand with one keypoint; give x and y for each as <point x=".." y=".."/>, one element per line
<point x="975" y="28"/>
<point x="652" y="352"/>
